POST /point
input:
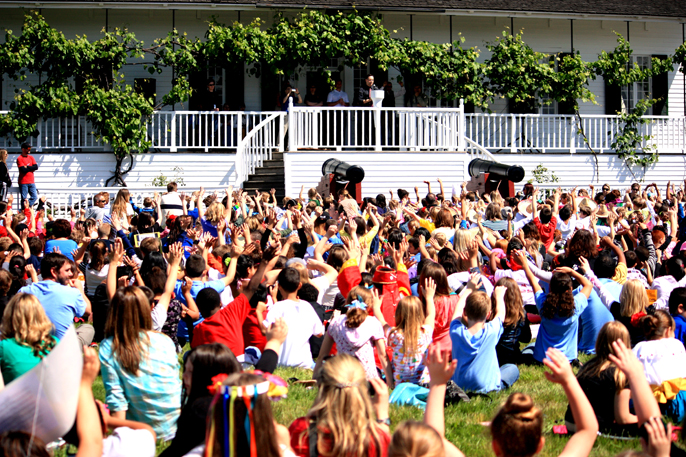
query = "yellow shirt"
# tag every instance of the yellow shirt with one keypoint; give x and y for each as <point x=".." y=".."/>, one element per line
<point x="620" y="273"/>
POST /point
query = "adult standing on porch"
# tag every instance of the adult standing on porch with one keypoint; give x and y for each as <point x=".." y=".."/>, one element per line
<point x="363" y="98"/>
<point x="27" y="165"/>
<point x="5" y="180"/>
<point x="337" y="121"/>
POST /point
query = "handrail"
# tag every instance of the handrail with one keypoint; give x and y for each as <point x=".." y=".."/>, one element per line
<point x="248" y="157"/>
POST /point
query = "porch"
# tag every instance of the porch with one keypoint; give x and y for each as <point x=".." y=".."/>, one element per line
<point x="365" y="129"/>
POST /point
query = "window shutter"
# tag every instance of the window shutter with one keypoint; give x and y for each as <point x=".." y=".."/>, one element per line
<point x="565" y="107"/>
<point x="613" y="99"/>
<point x="660" y="91"/>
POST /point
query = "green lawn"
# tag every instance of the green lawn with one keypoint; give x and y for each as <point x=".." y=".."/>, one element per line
<point x="462" y="421"/>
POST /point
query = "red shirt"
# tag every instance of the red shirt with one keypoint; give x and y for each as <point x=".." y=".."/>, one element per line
<point x="252" y="334"/>
<point x="26" y="178"/>
<point x="300" y="440"/>
<point x="225" y="326"/>
<point x="547" y="231"/>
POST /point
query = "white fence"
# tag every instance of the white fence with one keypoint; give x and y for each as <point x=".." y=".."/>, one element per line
<point x="561" y="133"/>
<point x="355" y="128"/>
<point x="359" y="129"/>
<point x="259" y="144"/>
<point x="167" y="130"/>
<point x="60" y="201"/>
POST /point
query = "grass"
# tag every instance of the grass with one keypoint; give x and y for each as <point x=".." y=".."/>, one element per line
<point x="462" y="421"/>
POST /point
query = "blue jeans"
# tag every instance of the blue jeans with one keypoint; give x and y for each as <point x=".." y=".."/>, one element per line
<point x="509" y="374"/>
<point x="27" y="189"/>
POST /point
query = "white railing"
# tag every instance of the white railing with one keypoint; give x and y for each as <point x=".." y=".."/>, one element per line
<point x="167" y="130"/>
<point x="342" y="128"/>
<point x="59" y="201"/>
<point x="561" y="133"/>
<point x="355" y="128"/>
<point x="259" y="144"/>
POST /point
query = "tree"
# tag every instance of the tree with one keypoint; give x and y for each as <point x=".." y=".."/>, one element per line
<point x="76" y="78"/>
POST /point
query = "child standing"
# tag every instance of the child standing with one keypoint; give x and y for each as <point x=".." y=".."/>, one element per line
<point x="357" y="333"/>
<point x="474" y="341"/>
<point x="411" y="336"/>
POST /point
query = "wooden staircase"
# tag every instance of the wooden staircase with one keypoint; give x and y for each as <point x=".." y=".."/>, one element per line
<point x="269" y="176"/>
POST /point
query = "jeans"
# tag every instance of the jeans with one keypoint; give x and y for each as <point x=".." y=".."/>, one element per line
<point x="27" y="189"/>
<point x="509" y="374"/>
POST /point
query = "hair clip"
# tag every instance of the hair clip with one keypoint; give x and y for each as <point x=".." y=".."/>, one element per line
<point x="358" y="304"/>
<point x="345" y="385"/>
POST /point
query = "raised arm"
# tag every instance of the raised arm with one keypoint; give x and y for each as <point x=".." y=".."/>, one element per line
<point x="441" y="368"/>
<point x="520" y="257"/>
<point x="586" y="286"/>
<point x="429" y="294"/>
<point x="644" y="401"/>
<point x="581" y="443"/>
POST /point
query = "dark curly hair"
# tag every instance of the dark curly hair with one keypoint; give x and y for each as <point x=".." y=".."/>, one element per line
<point x="560" y="300"/>
<point x="583" y="244"/>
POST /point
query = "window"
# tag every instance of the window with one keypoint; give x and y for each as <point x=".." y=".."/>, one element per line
<point x="640" y="90"/>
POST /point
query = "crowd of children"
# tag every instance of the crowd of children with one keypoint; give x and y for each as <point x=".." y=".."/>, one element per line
<point x="444" y="292"/>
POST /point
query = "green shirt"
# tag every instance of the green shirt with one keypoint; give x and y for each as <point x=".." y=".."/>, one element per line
<point x="16" y="359"/>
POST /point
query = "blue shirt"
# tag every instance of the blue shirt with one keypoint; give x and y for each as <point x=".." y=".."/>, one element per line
<point x="613" y="287"/>
<point x="65" y="247"/>
<point x="477" y="362"/>
<point x="61" y="303"/>
<point x="592" y="320"/>
<point x="153" y="395"/>
<point x="680" y="328"/>
<point x="560" y="333"/>
<point x="197" y="286"/>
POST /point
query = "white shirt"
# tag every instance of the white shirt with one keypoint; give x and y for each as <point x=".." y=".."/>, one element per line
<point x="523" y="283"/>
<point x="336" y="95"/>
<point x="662" y="359"/>
<point x="566" y="228"/>
<point x="456" y="280"/>
<point x="303" y="323"/>
<point x="171" y="198"/>
<point x="127" y="442"/>
<point x="664" y="286"/>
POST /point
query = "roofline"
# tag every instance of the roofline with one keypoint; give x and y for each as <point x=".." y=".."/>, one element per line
<point x="263" y="5"/>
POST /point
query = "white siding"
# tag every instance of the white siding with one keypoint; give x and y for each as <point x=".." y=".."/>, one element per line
<point x="383" y="170"/>
<point x="93" y="169"/>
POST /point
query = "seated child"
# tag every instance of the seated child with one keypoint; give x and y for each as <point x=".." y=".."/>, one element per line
<point x="474" y="341"/>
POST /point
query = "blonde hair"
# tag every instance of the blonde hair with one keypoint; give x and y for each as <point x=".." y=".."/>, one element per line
<point x="3" y="155"/>
<point x="409" y="318"/>
<point x="214" y="212"/>
<point x="416" y="439"/>
<point x="609" y="333"/>
<point x="633" y="298"/>
<point x="343" y="411"/>
<point x="120" y="201"/>
<point x="25" y="320"/>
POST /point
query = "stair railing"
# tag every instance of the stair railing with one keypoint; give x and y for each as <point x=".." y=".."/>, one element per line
<point x="259" y="144"/>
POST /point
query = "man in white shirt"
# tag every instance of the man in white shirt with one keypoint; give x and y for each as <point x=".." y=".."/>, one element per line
<point x="301" y="319"/>
<point x="337" y="97"/>
<point x="170" y="203"/>
<point x="337" y="123"/>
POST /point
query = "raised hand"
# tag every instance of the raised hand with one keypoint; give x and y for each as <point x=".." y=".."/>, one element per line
<point x="440" y="364"/>
<point x="429" y="288"/>
<point x="560" y="369"/>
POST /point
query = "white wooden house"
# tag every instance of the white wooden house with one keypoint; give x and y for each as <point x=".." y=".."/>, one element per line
<point x="426" y="140"/>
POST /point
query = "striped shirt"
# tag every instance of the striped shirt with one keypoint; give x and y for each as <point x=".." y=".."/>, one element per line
<point x="154" y="395"/>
